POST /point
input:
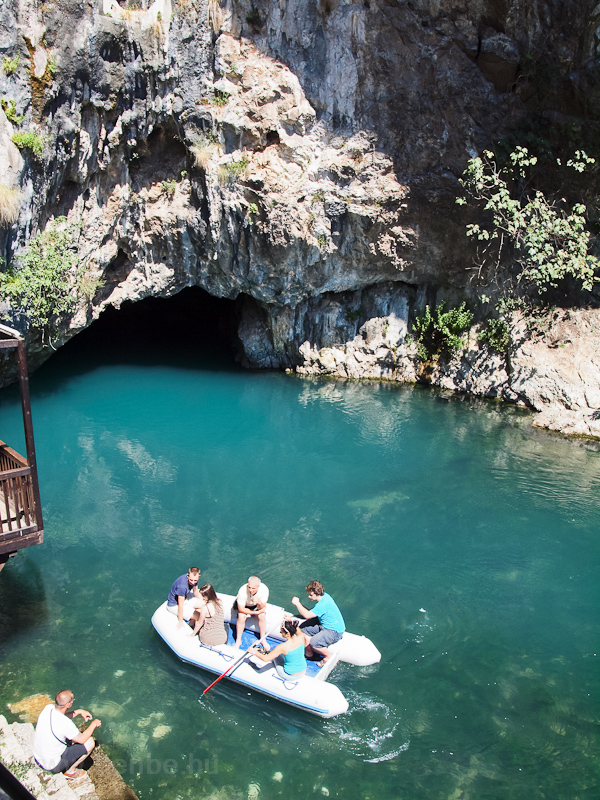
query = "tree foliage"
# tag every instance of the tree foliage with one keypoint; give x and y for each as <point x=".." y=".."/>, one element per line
<point x="44" y="280"/>
<point x="547" y="237"/>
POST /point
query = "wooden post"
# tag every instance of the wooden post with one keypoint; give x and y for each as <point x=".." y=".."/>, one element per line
<point x="28" y="426"/>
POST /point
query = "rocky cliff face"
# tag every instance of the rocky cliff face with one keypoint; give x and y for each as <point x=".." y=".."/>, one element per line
<point x="303" y="157"/>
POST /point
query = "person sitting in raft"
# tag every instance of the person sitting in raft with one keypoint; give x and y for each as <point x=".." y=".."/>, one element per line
<point x="184" y="597"/>
<point x="288" y="656"/>
<point x="324" y="623"/>
<point x="58" y="745"/>
<point x="209" y="618"/>
<point x="251" y="600"/>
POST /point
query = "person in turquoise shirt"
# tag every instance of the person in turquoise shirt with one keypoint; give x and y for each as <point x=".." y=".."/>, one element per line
<point x="324" y="622"/>
<point x="288" y="656"/>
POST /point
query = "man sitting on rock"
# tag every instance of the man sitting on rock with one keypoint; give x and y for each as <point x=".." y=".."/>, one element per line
<point x="58" y="745"/>
<point x="251" y="601"/>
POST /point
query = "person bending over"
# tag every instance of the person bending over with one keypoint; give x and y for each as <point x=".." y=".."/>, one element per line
<point x="251" y="601"/>
<point x="209" y="619"/>
<point x="324" y="622"/>
<point x="58" y="745"/>
<point x="288" y="656"/>
<point x="184" y="597"/>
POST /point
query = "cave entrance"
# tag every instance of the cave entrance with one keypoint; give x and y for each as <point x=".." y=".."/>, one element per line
<point x="188" y="329"/>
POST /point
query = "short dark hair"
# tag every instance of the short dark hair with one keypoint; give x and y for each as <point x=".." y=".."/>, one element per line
<point x="315" y="587"/>
<point x="194" y="571"/>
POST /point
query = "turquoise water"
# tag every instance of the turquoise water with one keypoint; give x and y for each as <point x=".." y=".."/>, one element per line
<point x="462" y="541"/>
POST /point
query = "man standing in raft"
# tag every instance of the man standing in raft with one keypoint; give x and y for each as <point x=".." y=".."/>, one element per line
<point x="54" y="729"/>
<point x="184" y="596"/>
<point x="252" y="601"/>
<point x="324" y="623"/>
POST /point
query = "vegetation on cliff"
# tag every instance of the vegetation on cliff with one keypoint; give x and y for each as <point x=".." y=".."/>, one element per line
<point x="46" y="280"/>
<point x="527" y="238"/>
<point x="442" y="332"/>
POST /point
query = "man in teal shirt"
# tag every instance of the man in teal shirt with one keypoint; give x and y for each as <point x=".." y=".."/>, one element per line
<point x="324" y="622"/>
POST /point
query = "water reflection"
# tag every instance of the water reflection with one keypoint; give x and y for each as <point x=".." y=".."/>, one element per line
<point x="460" y="540"/>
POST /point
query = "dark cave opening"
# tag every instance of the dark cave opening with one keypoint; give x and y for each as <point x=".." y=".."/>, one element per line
<point x="189" y="329"/>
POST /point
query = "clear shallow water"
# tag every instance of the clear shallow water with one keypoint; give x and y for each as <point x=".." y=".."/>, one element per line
<point x="463" y="542"/>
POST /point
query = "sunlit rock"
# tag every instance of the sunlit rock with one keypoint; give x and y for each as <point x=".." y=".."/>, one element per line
<point x="30" y="708"/>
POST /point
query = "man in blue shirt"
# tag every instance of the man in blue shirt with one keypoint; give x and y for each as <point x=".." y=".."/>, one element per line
<point x="324" y="622"/>
<point x="184" y="596"/>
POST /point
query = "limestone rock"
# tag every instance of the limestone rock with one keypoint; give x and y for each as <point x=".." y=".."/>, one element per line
<point x="301" y="158"/>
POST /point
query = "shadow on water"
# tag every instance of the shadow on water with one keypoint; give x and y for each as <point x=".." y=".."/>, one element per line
<point x="191" y="330"/>
<point x="22" y="598"/>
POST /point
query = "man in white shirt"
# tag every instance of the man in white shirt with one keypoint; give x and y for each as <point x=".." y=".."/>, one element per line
<point x="252" y="602"/>
<point x="51" y="746"/>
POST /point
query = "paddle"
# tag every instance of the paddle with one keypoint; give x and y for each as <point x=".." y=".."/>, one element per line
<point x="230" y="669"/>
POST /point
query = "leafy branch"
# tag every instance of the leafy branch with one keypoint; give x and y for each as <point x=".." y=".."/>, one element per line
<point x="547" y="238"/>
<point x="44" y="282"/>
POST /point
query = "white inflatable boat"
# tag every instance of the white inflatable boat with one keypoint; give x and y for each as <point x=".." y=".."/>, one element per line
<point x="312" y="693"/>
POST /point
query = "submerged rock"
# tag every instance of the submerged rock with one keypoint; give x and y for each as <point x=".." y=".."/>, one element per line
<point x="161" y="731"/>
<point x="30" y="708"/>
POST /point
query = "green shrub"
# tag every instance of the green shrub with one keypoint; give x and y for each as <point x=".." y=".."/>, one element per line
<point x="495" y="335"/>
<point x="44" y="279"/>
<point x="220" y="97"/>
<point x="441" y="332"/>
<point x="52" y="66"/>
<point x="252" y="212"/>
<point x="29" y="140"/>
<point x="10" y="109"/>
<point x="11" y="65"/>
<point x="506" y="305"/>
<point x="231" y="172"/>
<point x="168" y="188"/>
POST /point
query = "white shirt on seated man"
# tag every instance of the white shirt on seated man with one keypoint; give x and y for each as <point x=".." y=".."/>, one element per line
<point x="252" y="602"/>
<point x="58" y="744"/>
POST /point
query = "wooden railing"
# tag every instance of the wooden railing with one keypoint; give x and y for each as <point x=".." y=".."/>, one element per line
<point x="21" y="523"/>
<point x="18" y="515"/>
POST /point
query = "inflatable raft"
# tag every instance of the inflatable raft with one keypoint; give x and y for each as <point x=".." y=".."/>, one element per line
<point x="312" y="693"/>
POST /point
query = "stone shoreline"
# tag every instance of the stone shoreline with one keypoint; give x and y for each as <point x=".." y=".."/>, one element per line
<point x="552" y="368"/>
<point x="100" y="782"/>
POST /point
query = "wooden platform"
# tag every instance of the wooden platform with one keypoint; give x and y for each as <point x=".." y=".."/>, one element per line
<point x="21" y="522"/>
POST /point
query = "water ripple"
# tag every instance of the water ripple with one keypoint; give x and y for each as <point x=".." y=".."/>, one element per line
<point x="371" y="730"/>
